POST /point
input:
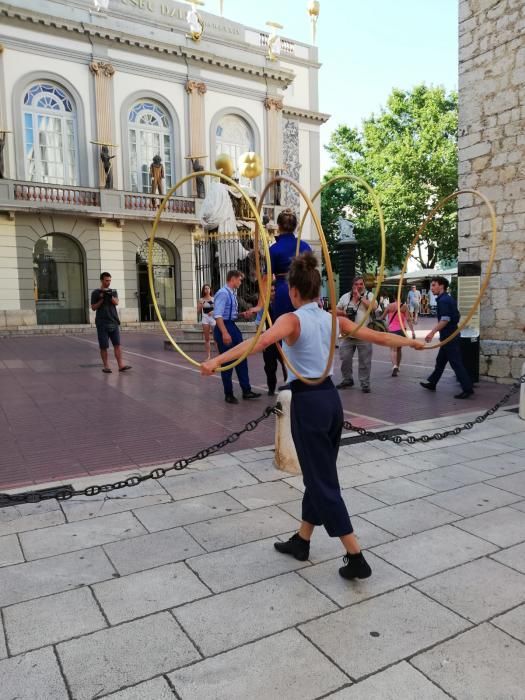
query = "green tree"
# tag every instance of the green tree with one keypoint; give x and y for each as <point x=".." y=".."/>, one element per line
<point x="408" y="153"/>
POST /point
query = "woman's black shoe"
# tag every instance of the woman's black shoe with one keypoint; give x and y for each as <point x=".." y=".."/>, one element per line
<point x="296" y="546"/>
<point x="230" y="398"/>
<point x="356" y="566"/>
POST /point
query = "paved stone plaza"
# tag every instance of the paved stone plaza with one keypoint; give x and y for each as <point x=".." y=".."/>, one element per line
<point x="174" y="589"/>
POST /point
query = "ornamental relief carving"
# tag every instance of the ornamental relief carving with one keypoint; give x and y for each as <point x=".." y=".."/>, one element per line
<point x="273" y="103"/>
<point x="100" y="68"/>
<point x="195" y="85"/>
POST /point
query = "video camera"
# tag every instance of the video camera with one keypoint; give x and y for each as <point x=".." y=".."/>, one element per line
<point x="108" y="293"/>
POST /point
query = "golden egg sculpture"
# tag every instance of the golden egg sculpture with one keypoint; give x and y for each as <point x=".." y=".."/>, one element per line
<point x="224" y="163"/>
<point x="250" y="165"/>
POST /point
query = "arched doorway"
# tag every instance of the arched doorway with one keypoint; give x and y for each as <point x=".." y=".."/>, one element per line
<point x="164" y="274"/>
<point x="58" y="273"/>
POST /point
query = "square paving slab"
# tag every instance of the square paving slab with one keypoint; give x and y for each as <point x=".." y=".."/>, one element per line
<point x="230" y="619"/>
<point x="381" y="631"/>
<point x="512" y="622"/>
<point x="473" y="499"/>
<point x="237" y="566"/>
<point x="477" y="590"/>
<point x="33" y="676"/>
<point x="504" y="526"/>
<point x="399" y="682"/>
<point x="429" y="552"/>
<point x="245" y="672"/>
<point x="483" y="663"/>
<point x="325" y="577"/>
<point x="51" y="619"/>
<point x="410" y="517"/>
<point x="102" y="662"/>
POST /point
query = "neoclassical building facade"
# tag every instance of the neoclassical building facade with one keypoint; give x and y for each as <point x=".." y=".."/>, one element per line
<point x="131" y="76"/>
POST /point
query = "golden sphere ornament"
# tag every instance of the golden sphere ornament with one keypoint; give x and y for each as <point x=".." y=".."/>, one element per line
<point x="224" y="163"/>
<point x="250" y="165"/>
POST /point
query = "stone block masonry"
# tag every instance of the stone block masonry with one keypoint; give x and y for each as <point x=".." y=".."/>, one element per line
<point x="491" y="157"/>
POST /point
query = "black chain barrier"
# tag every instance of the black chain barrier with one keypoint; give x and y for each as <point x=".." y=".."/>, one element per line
<point x="63" y="493"/>
<point x="412" y="439"/>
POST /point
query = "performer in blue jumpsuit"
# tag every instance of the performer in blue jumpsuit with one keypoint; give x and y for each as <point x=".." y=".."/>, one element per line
<point x="281" y="254"/>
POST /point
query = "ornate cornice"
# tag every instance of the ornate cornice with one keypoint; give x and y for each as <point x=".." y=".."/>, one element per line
<point x="318" y="117"/>
<point x="195" y="86"/>
<point x="273" y="103"/>
<point x="98" y="67"/>
<point x="115" y="37"/>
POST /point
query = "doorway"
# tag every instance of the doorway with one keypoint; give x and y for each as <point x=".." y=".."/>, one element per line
<point x="164" y="280"/>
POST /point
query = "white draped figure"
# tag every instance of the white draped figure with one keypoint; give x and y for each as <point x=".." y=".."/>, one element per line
<point x="217" y="212"/>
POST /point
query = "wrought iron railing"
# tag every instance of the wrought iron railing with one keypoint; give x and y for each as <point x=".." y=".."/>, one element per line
<point x="216" y="254"/>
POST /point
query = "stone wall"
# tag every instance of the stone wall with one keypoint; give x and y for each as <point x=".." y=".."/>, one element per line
<point x="492" y="159"/>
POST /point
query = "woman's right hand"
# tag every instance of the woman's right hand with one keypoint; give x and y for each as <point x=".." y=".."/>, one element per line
<point x="226" y="339"/>
<point x="209" y="367"/>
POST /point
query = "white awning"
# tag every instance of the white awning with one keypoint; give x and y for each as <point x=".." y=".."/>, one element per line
<point x="422" y="275"/>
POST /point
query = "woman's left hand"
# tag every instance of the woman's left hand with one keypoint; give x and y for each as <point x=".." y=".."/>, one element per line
<point x="208" y="368"/>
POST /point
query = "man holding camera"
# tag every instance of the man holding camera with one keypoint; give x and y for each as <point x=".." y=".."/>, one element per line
<point x="104" y="301"/>
<point x="354" y="306"/>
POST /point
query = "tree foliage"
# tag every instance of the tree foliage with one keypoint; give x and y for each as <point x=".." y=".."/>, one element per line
<point x="408" y="153"/>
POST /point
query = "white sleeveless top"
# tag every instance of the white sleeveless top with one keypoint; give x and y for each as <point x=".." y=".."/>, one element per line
<point x="309" y="354"/>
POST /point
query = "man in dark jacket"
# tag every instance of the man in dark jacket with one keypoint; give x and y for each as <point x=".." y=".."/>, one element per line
<point x="448" y="319"/>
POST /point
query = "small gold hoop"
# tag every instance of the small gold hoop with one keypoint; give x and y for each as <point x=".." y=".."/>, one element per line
<point x="329" y="273"/>
<point x="490" y="263"/>
<point x="258" y="223"/>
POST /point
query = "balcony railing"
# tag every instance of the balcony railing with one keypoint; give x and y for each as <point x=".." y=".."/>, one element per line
<point x="57" y="194"/>
<point x="149" y="202"/>
<point x="22" y="195"/>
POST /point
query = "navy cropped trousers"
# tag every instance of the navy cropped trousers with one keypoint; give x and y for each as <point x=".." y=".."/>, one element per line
<point x="317" y="423"/>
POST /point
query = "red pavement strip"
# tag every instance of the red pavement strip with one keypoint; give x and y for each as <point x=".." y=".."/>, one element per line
<point x="61" y="417"/>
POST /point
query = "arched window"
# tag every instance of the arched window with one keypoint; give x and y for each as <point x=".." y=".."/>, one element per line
<point x="234" y="136"/>
<point x="50" y="135"/>
<point x="150" y="134"/>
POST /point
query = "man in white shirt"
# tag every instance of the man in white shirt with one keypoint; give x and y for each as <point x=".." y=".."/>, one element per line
<point x="414" y="303"/>
<point x="354" y="306"/>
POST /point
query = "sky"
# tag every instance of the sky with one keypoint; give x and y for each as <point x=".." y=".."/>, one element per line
<point x="366" y="48"/>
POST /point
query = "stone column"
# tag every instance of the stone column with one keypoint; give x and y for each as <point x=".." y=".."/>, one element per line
<point x="196" y="91"/>
<point x="274" y="140"/>
<point x="10" y="304"/>
<point x="103" y="73"/>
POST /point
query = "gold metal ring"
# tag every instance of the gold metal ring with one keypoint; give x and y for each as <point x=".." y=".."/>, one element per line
<point x="375" y="201"/>
<point x="258" y="224"/>
<point x="490" y="263"/>
<point x="330" y="276"/>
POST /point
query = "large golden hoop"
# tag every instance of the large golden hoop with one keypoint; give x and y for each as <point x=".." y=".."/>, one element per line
<point x="330" y="276"/>
<point x="486" y="279"/>
<point x="258" y="223"/>
<point x="377" y="206"/>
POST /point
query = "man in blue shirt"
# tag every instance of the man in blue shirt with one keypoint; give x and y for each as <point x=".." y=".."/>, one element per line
<point x="448" y="319"/>
<point x="227" y="335"/>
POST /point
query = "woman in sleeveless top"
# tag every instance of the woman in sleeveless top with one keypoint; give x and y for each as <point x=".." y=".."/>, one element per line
<point x="316" y="411"/>
<point x="205" y="307"/>
<point x="390" y="313"/>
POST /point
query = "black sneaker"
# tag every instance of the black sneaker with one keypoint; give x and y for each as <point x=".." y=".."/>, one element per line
<point x="250" y="395"/>
<point x="428" y="385"/>
<point x="365" y="389"/>
<point x="296" y="546"/>
<point x="230" y="398"/>
<point x="271" y="392"/>
<point x="356" y="566"/>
